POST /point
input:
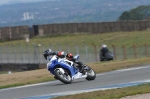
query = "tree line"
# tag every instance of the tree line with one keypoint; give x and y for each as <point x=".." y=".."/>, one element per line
<point x="138" y="13"/>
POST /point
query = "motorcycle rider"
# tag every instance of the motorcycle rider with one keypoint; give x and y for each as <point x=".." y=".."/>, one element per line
<point x="69" y="56"/>
<point x="61" y="54"/>
<point x="103" y="51"/>
<point x="104" y="55"/>
<point x="78" y="64"/>
<point x="49" y="52"/>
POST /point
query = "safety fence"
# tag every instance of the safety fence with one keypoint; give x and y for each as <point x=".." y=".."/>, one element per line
<point x="33" y="54"/>
<point x="95" y="27"/>
<point x="22" y="32"/>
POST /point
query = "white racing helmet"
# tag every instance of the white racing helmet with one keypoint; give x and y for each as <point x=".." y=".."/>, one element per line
<point x="103" y="46"/>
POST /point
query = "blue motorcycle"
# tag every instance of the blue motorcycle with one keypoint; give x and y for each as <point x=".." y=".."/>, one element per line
<point x="65" y="71"/>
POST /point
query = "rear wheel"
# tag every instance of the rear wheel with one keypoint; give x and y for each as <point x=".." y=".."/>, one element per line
<point x="63" y="76"/>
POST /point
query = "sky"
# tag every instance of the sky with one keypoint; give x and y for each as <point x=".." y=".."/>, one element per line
<point x="8" y="1"/>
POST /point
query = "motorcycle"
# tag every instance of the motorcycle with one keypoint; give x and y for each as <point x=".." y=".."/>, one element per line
<point x="108" y="57"/>
<point x="63" y="70"/>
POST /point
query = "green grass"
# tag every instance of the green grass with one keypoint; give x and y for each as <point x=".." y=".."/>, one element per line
<point x="117" y="38"/>
<point x="3" y="72"/>
<point x="112" y="93"/>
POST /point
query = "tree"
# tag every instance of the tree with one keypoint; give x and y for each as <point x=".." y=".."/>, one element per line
<point x="125" y="16"/>
<point x="139" y="13"/>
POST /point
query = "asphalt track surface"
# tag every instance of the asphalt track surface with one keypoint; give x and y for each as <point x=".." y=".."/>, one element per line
<point x="108" y="79"/>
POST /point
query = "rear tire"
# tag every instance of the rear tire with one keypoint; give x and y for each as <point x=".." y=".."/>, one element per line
<point x="65" y="78"/>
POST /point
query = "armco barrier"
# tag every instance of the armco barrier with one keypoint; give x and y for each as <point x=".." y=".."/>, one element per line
<point x="18" y="67"/>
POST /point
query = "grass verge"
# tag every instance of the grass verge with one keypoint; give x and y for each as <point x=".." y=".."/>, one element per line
<point x="111" y="94"/>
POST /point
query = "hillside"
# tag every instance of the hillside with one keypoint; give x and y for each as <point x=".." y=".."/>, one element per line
<point x="138" y="38"/>
<point x="64" y="11"/>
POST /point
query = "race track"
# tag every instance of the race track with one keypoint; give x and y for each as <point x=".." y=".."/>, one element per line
<point x="103" y="80"/>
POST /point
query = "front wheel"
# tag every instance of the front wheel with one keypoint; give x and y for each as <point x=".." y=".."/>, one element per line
<point x="91" y="75"/>
<point x="63" y="76"/>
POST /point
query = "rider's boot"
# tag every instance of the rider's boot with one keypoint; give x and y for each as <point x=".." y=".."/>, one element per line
<point x="81" y="68"/>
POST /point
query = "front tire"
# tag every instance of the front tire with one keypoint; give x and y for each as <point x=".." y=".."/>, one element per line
<point x="91" y="75"/>
<point x="65" y="78"/>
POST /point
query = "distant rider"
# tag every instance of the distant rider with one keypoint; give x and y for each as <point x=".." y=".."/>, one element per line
<point x="105" y="54"/>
